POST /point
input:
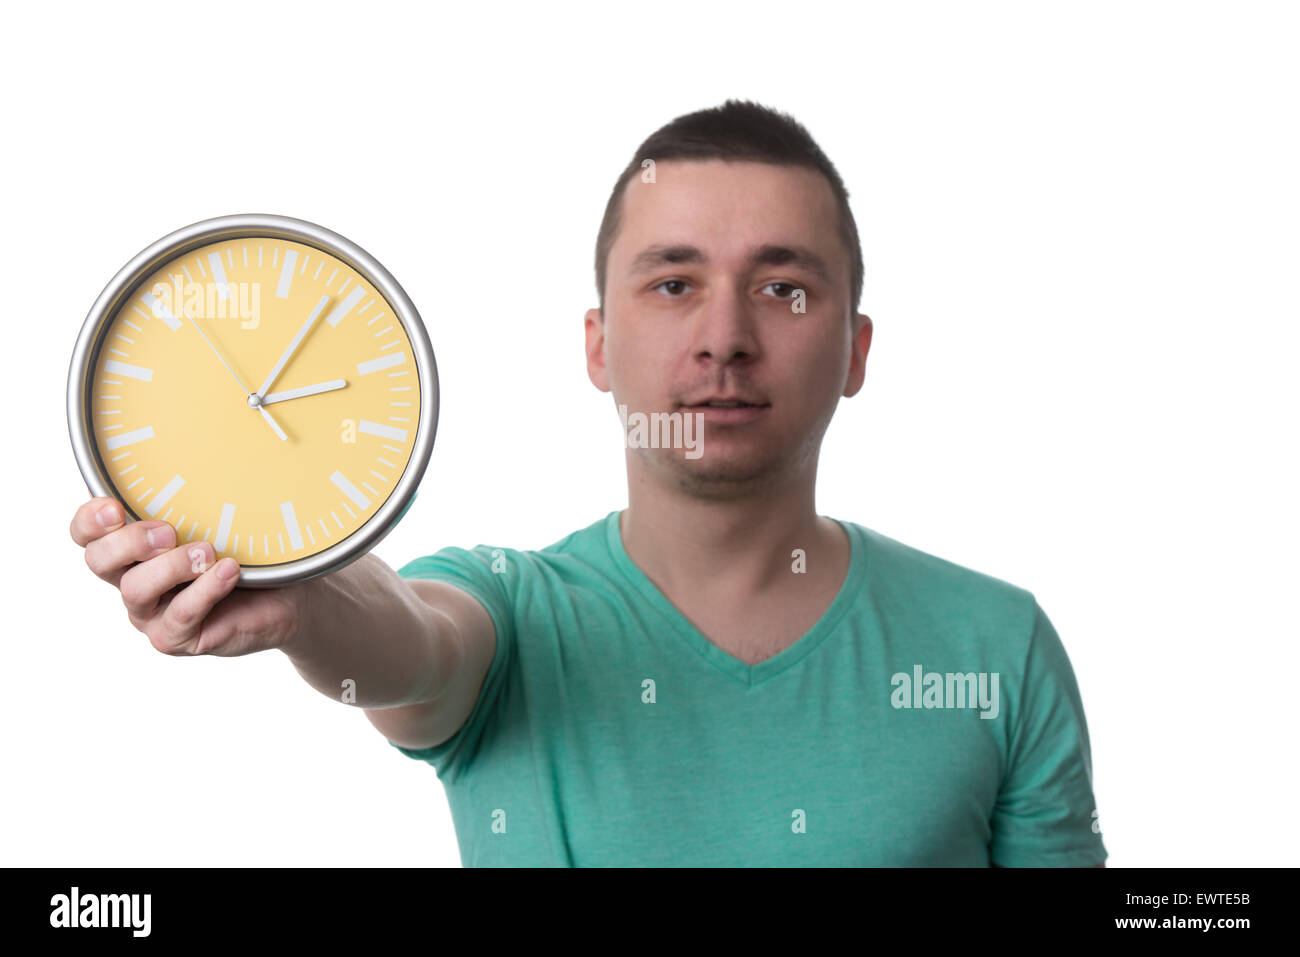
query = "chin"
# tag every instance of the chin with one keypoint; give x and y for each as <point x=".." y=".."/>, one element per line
<point x="724" y="475"/>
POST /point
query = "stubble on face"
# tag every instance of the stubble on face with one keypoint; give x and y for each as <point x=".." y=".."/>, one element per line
<point x="735" y="469"/>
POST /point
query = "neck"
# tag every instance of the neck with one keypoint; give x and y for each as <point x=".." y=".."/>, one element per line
<point x="730" y="548"/>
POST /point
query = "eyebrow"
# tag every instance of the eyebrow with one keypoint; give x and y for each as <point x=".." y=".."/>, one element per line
<point x="653" y="257"/>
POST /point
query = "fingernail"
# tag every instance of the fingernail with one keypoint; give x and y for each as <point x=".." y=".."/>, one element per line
<point x="198" y="559"/>
<point x="107" y="516"/>
<point x="160" y="536"/>
<point x="227" y="568"/>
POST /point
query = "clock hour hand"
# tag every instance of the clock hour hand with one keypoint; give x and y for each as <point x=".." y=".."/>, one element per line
<point x="304" y="391"/>
<point x="293" y="346"/>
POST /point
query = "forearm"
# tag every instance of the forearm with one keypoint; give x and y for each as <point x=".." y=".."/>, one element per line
<point x="366" y="638"/>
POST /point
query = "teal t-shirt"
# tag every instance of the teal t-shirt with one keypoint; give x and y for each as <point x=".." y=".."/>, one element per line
<point x="930" y="718"/>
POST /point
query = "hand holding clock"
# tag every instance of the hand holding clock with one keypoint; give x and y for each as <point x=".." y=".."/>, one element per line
<point x="174" y="595"/>
<point x="170" y="592"/>
<point x="349" y="331"/>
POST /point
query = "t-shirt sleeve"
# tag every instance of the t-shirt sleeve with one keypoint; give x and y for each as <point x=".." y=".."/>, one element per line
<point x="480" y="572"/>
<point x="1045" y="814"/>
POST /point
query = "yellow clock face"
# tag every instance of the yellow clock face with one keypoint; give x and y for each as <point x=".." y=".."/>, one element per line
<point x="258" y="393"/>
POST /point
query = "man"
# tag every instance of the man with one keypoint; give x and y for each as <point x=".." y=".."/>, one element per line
<point x="716" y="675"/>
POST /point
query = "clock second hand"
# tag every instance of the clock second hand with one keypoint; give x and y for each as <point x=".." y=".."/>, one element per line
<point x="216" y="351"/>
<point x="254" y="404"/>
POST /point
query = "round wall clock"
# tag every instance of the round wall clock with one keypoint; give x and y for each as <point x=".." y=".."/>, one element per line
<point x="260" y="382"/>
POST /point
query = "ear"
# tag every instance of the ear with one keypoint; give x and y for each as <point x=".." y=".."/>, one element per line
<point x="594" y="326"/>
<point x="861" y="345"/>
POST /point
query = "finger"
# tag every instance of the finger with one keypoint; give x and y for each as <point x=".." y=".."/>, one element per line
<point x="95" y="519"/>
<point x="113" y="554"/>
<point x="184" y="625"/>
<point x="144" y="585"/>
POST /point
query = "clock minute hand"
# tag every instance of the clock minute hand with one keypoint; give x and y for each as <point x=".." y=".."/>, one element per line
<point x="293" y="346"/>
<point x="304" y="391"/>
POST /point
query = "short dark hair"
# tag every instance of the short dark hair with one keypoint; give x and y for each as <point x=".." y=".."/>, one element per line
<point x="738" y="131"/>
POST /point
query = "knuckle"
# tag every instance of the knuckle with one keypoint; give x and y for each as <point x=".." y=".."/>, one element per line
<point x="134" y="590"/>
<point x="84" y="527"/>
<point x="160" y="642"/>
<point x="140" y="538"/>
<point x="198" y="558"/>
<point x="182" y="614"/>
<point x="164" y="640"/>
<point x="106" y="555"/>
<point x="97" y="559"/>
<point x="289" y="621"/>
<point x="154" y="635"/>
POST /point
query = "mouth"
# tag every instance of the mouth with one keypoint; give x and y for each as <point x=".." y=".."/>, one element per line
<point x="728" y="412"/>
<point x="734" y="400"/>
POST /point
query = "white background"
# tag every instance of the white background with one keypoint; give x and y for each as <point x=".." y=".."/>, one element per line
<point x="1080" y="227"/>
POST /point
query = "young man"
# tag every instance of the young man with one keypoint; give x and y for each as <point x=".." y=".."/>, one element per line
<point x="716" y="675"/>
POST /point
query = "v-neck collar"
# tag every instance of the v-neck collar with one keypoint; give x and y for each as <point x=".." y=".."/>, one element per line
<point x="747" y="674"/>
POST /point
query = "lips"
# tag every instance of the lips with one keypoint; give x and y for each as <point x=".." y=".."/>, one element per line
<point x="728" y="415"/>
<point x="725" y="402"/>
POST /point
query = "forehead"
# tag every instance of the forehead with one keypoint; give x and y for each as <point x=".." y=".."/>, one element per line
<point x="726" y="208"/>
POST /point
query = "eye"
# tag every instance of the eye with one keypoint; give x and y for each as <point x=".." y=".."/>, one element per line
<point x="671" y="282"/>
<point x="791" y="287"/>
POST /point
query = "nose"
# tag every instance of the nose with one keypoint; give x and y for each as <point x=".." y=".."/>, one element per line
<point x="726" y="329"/>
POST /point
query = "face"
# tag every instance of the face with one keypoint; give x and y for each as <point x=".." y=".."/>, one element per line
<point x="702" y="301"/>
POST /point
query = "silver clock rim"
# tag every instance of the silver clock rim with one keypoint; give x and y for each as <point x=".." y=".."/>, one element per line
<point x="178" y="243"/>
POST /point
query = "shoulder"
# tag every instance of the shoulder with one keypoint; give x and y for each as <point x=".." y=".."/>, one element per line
<point x="509" y="567"/>
<point x="904" y="577"/>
